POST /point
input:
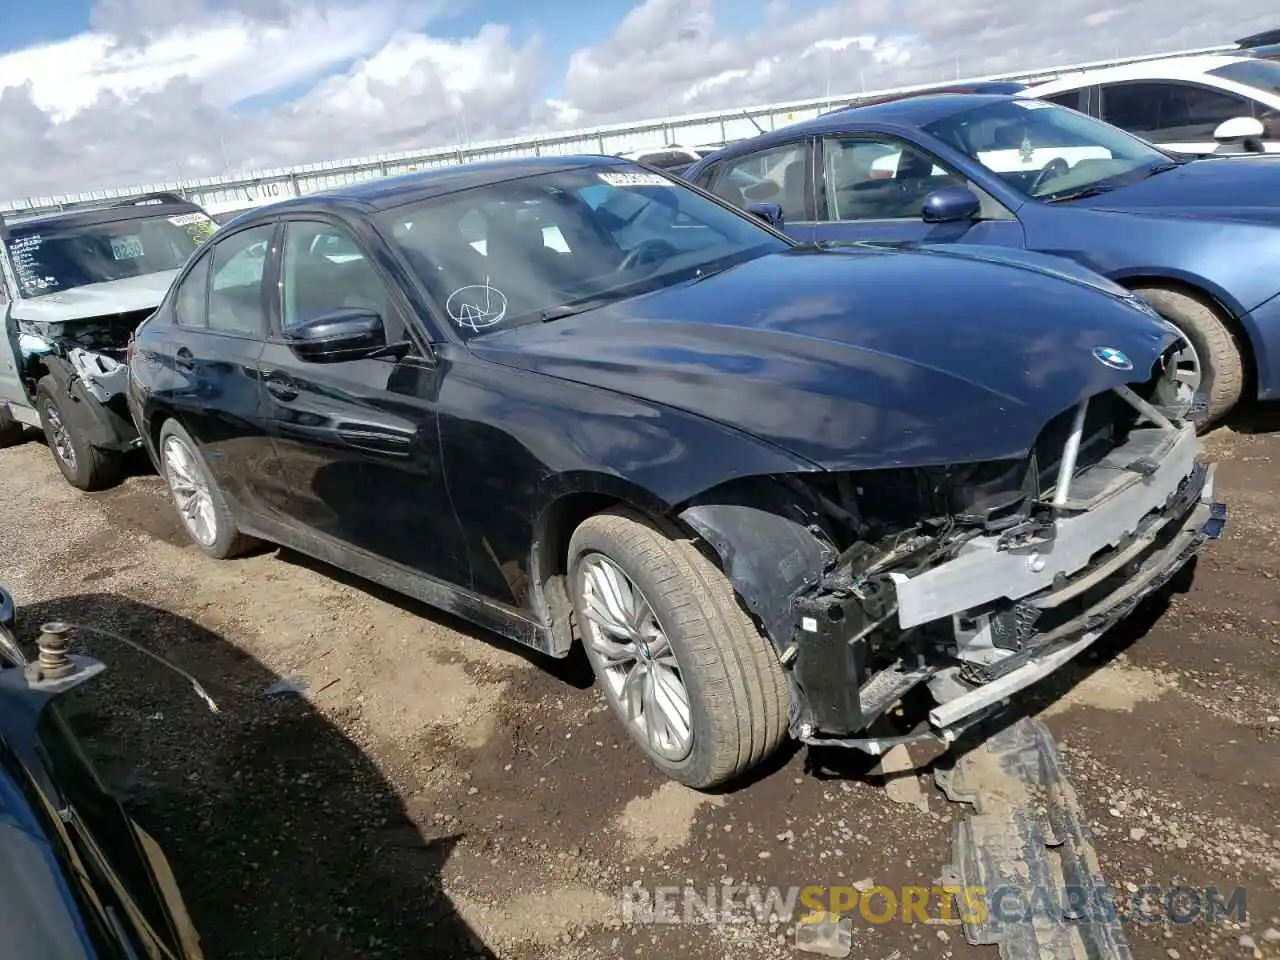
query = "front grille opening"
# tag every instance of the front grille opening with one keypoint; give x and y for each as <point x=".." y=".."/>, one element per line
<point x="1107" y="423"/>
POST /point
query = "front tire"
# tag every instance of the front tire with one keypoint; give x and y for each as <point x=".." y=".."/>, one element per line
<point x="201" y="507"/>
<point x="695" y="683"/>
<point x="85" y="466"/>
<point x="1219" y="379"/>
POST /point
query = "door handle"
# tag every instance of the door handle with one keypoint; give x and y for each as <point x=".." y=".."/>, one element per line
<point x="184" y="359"/>
<point x="282" y="388"/>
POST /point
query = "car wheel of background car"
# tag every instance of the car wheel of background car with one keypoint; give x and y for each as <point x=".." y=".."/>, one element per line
<point x="11" y="430"/>
<point x="697" y="686"/>
<point x="201" y="507"/>
<point x="1215" y="364"/>
<point x="85" y="466"/>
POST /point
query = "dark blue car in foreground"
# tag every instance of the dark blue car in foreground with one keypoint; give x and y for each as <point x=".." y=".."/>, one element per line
<point x="769" y="488"/>
<point x="1198" y="239"/>
<point x="79" y="878"/>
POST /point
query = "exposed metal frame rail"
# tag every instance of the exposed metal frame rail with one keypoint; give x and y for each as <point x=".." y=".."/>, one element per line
<point x="225" y="193"/>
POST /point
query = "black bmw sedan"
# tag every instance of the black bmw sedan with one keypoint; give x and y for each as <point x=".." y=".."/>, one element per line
<point x="770" y="488"/>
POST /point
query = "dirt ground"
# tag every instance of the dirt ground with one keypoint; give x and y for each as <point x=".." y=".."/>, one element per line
<point x="436" y="793"/>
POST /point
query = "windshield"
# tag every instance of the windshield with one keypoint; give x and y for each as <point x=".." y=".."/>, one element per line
<point x="1046" y="151"/>
<point x="54" y="255"/>
<point x="1260" y="74"/>
<point x="542" y="246"/>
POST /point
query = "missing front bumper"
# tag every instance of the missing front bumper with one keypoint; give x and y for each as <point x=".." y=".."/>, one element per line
<point x="1046" y="653"/>
<point x="1123" y="546"/>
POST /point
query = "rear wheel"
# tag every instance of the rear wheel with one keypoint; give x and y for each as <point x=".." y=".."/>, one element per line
<point x="203" y="510"/>
<point x="1211" y="368"/>
<point x="695" y="683"/>
<point x="85" y="466"/>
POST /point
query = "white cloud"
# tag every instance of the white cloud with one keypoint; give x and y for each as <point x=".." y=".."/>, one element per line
<point x="230" y="55"/>
<point x="162" y="89"/>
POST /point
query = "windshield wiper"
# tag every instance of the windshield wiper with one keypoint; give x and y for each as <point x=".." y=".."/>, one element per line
<point x="575" y="307"/>
<point x="1090" y="191"/>
<point x="705" y="273"/>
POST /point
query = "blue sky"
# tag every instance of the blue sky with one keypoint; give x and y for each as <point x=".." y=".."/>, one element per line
<point x="23" y="25"/>
<point x="122" y="92"/>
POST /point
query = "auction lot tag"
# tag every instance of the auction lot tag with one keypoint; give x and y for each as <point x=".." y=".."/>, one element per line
<point x="635" y="180"/>
<point x="183" y="219"/>
<point x="126" y="248"/>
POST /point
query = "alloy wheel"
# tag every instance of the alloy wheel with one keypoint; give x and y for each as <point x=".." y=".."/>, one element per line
<point x="190" y="489"/>
<point x="636" y="661"/>
<point x="60" y="436"/>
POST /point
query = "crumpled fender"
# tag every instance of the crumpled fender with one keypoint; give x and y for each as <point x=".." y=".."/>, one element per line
<point x="764" y="547"/>
<point x="102" y="425"/>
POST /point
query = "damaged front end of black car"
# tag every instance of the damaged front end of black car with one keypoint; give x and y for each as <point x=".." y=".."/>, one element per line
<point x="78" y="877"/>
<point x="975" y="580"/>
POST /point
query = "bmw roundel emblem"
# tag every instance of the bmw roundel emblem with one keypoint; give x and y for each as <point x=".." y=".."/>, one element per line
<point x="1113" y="358"/>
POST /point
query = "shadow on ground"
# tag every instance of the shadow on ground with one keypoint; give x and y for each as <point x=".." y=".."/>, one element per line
<point x="1255" y="418"/>
<point x="286" y="839"/>
<point x="573" y="670"/>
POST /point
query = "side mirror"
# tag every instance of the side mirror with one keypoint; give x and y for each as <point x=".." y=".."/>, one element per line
<point x="1244" y="133"/>
<point x="950" y="204"/>
<point x="770" y="213"/>
<point x="348" y="333"/>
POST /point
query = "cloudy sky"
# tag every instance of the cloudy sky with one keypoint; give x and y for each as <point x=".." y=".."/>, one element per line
<point x="120" y="92"/>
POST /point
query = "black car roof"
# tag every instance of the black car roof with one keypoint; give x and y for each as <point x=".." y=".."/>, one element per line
<point x="95" y="215"/>
<point x="1263" y="39"/>
<point x="383" y="193"/>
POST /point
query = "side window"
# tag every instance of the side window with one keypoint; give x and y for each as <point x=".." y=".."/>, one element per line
<point x="1205" y="110"/>
<point x="235" y="289"/>
<point x="779" y="175"/>
<point x="1170" y="112"/>
<point x="1270" y="118"/>
<point x="870" y="178"/>
<point x="1135" y="107"/>
<point x="1068" y="98"/>
<point x="189" y="302"/>
<point x="324" y="269"/>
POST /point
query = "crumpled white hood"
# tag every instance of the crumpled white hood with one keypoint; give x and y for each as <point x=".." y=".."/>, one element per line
<point x="97" y="299"/>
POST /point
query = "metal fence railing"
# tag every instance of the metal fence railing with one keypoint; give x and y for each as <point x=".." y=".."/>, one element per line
<point x="225" y="193"/>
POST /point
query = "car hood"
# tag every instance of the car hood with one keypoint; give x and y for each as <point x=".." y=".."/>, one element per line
<point x="1225" y="188"/>
<point x="97" y="299"/>
<point x="857" y="359"/>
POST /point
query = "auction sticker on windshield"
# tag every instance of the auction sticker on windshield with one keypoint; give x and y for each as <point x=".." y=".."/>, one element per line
<point x="635" y="180"/>
<point x="126" y="248"/>
<point x="199" y="226"/>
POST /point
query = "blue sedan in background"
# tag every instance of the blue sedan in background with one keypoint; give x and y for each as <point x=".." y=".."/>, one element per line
<point x="1197" y="238"/>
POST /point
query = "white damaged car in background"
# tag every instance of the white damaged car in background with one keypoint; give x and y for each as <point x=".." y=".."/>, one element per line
<point x="76" y="284"/>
